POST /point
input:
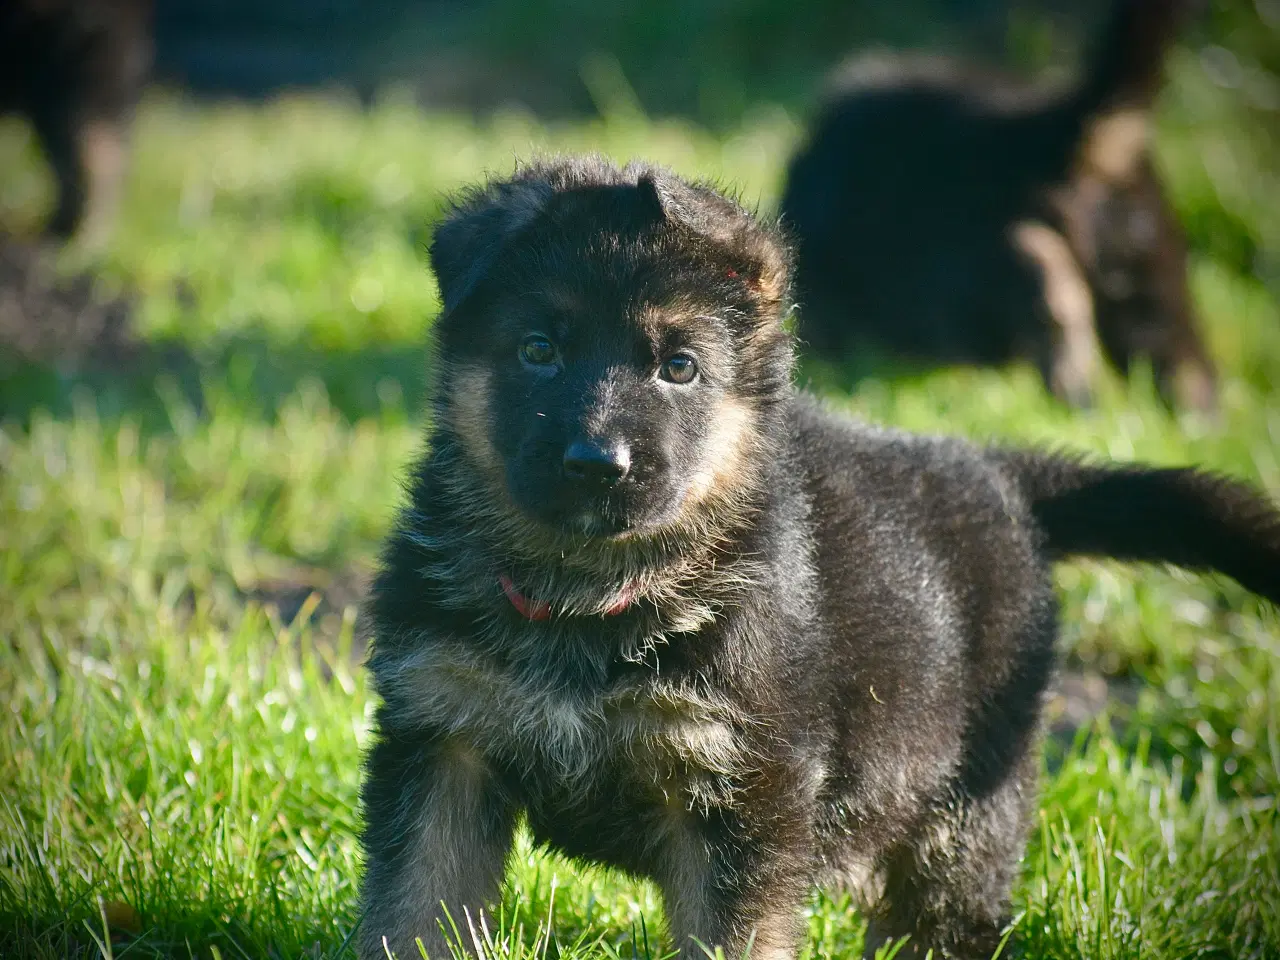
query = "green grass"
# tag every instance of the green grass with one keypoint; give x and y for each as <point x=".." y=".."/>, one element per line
<point x="180" y="767"/>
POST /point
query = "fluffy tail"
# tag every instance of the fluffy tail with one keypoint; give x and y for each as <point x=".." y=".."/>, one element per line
<point x="1126" y="62"/>
<point x="1185" y="517"/>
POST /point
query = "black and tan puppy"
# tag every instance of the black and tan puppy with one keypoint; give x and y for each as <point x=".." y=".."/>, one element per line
<point x="953" y="216"/>
<point x="75" y="69"/>
<point x="694" y="626"/>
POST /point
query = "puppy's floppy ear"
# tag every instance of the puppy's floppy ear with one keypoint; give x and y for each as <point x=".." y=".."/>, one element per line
<point x="751" y="251"/>
<point x="652" y="196"/>
<point x="466" y="244"/>
<point x="765" y="265"/>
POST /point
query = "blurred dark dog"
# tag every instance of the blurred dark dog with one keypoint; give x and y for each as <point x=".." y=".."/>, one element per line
<point x="75" y="69"/>
<point x="954" y="216"/>
<point x="686" y="622"/>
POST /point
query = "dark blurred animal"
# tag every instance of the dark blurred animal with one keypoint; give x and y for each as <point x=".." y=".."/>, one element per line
<point x="957" y="216"/>
<point x="685" y="622"/>
<point x="75" y="69"/>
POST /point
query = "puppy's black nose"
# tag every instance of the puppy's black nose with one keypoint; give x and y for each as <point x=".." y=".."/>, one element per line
<point x="597" y="461"/>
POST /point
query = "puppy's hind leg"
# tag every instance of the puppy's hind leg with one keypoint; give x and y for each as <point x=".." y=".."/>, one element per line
<point x="103" y="148"/>
<point x="438" y="829"/>
<point x="55" y="127"/>
<point x="949" y="888"/>
<point x="1068" y="353"/>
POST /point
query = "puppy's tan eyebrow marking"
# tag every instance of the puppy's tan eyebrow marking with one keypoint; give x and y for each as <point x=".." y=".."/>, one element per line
<point x="562" y="300"/>
<point x="660" y="322"/>
<point x="544" y="310"/>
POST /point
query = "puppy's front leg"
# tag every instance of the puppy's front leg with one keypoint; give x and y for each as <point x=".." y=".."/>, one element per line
<point x="438" y="827"/>
<point x="732" y="884"/>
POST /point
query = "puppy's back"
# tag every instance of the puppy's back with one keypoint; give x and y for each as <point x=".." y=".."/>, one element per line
<point x="919" y="527"/>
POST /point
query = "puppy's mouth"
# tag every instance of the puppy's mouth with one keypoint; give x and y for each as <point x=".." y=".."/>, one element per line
<point x="598" y="519"/>
<point x="591" y="524"/>
<point x="599" y="516"/>
<point x="594" y="517"/>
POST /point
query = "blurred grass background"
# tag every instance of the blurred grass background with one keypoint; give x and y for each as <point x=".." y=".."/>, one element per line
<point x="187" y="518"/>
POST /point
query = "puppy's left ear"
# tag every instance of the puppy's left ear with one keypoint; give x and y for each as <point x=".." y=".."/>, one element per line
<point x="766" y="264"/>
<point x="752" y="252"/>
<point x="469" y="240"/>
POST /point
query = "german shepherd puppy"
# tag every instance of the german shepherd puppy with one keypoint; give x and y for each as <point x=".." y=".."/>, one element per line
<point x="75" y="69"/>
<point x="953" y="216"/>
<point x="696" y="627"/>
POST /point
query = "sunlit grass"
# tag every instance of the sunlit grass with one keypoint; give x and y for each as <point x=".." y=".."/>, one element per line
<point x="180" y="766"/>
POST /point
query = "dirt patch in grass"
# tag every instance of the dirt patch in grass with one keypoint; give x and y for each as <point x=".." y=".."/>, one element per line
<point x="58" y="319"/>
<point x="334" y="590"/>
<point x="325" y="599"/>
<point x="60" y="329"/>
<point x="1079" y="695"/>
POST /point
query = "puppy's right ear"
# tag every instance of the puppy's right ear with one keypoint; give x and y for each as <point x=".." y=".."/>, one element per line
<point x="468" y="241"/>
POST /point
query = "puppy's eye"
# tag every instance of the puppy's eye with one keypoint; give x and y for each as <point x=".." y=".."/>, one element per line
<point x="681" y="368"/>
<point x="538" y="351"/>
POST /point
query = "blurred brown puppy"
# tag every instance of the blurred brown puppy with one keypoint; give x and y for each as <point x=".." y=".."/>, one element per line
<point x="954" y="216"/>
<point x="75" y="69"/>
<point x="1122" y="231"/>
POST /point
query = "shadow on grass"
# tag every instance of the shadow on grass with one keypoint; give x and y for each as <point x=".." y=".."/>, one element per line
<point x="253" y="374"/>
<point x="846" y="371"/>
<point x="62" y="340"/>
<point x="86" y="929"/>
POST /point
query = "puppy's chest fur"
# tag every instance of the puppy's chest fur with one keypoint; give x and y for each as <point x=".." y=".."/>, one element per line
<point x="666" y="731"/>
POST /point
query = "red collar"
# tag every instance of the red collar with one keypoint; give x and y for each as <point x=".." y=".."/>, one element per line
<point x="541" y="610"/>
